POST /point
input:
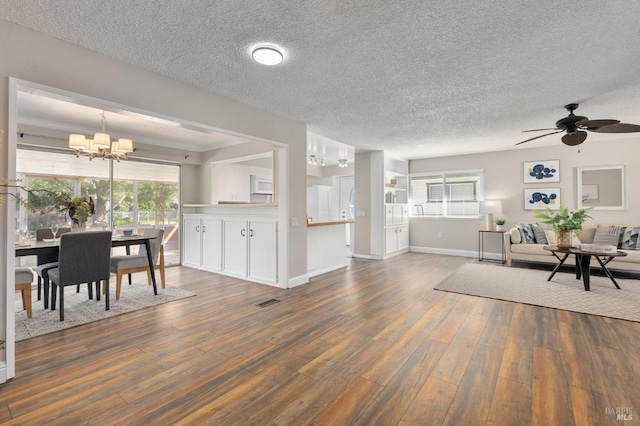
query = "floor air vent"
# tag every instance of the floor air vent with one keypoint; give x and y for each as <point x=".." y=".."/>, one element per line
<point x="267" y="303"/>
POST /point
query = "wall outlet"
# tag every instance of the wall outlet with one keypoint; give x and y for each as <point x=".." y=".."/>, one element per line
<point x="439" y="234"/>
<point x="360" y="213"/>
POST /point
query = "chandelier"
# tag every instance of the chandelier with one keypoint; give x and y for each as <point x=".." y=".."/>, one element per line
<point x="101" y="145"/>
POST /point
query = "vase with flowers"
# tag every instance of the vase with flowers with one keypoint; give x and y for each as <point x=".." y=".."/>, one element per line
<point x="79" y="210"/>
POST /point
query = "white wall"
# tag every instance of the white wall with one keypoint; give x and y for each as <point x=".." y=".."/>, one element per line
<point x="35" y="57"/>
<point x="504" y="181"/>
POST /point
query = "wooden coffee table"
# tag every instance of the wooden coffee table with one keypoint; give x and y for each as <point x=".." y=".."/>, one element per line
<point x="583" y="262"/>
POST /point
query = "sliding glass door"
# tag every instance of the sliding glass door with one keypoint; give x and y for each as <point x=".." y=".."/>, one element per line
<point x="144" y="194"/>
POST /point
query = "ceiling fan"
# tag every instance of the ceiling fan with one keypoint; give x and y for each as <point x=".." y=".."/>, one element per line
<point x="576" y="126"/>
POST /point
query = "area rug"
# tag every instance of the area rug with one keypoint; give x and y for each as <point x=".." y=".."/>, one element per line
<point x="79" y="309"/>
<point x="530" y="286"/>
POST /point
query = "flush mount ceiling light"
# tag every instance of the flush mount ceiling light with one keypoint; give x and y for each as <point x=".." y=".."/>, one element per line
<point x="267" y="55"/>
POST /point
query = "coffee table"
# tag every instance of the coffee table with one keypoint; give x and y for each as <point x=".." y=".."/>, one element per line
<point x="583" y="262"/>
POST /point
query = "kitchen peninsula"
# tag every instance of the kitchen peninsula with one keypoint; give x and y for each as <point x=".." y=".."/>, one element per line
<point x="327" y="246"/>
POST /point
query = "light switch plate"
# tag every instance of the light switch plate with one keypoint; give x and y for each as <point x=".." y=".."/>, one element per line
<point x="294" y="221"/>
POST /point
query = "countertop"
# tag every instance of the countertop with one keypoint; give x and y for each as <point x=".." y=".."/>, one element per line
<point x="335" y="222"/>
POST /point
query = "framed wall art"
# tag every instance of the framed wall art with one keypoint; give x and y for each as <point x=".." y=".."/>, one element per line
<point x="541" y="171"/>
<point x="541" y="198"/>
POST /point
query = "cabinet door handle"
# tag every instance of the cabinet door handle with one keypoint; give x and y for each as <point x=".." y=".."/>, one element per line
<point x="251" y="233"/>
<point x="204" y="228"/>
<point x="198" y="228"/>
<point x="242" y="232"/>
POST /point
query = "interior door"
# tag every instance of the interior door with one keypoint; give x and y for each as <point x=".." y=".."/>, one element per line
<point x="347" y="198"/>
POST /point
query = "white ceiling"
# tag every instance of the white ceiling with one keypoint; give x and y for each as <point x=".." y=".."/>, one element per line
<point x="453" y="76"/>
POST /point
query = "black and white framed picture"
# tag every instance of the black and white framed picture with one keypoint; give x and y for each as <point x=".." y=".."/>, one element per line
<point x="541" y="171"/>
<point x="541" y="198"/>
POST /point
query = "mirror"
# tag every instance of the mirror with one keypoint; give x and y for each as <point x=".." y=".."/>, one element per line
<point x="602" y="187"/>
<point x="244" y="180"/>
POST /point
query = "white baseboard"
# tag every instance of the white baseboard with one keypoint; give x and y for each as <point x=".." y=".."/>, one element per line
<point x="3" y="372"/>
<point x="448" y="252"/>
<point x="299" y="280"/>
<point x="320" y="271"/>
<point x="366" y="256"/>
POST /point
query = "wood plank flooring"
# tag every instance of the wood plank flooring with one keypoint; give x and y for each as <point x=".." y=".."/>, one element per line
<point x="371" y="345"/>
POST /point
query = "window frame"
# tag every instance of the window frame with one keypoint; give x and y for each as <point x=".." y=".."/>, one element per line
<point x="475" y="174"/>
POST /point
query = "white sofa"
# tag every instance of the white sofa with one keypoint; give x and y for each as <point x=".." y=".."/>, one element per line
<point x="517" y="251"/>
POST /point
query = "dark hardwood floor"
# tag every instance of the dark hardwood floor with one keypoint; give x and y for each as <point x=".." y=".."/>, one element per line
<point x="373" y="345"/>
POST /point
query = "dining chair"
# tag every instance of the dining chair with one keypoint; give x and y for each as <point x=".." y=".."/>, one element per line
<point x="83" y="258"/>
<point x="129" y="264"/>
<point x="24" y="276"/>
<point x="46" y="262"/>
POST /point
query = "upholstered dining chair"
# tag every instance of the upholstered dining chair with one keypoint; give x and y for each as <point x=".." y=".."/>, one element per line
<point x="83" y="258"/>
<point x="45" y="262"/>
<point x="129" y="264"/>
<point x="24" y="276"/>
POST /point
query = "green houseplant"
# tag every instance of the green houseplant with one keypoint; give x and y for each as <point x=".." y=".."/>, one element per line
<point x="564" y="222"/>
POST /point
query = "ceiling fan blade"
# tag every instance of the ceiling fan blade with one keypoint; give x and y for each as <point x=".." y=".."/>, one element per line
<point x="595" y="124"/>
<point x="541" y="136"/>
<point x="618" y="128"/>
<point x="574" y="139"/>
<point x="540" y="130"/>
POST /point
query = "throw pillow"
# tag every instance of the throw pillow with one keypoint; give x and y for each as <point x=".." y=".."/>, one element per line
<point x="629" y="238"/>
<point x="539" y="234"/>
<point x="550" y="234"/>
<point x="515" y="236"/>
<point x="526" y="232"/>
<point x="607" y="236"/>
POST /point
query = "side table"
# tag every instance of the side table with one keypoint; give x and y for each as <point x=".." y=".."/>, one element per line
<point x="481" y="235"/>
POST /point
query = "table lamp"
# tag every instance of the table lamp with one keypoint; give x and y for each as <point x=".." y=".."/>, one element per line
<point x="489" y="207"/>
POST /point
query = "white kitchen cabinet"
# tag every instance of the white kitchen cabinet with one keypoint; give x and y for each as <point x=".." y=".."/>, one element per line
<point x="403" y="237"/>
<point x="202" y="243"/>
<point x="211" y="235"/>
<point x="396" y="239"/>
<point x="191" y="251"/>
<point x="240" y="247"/>
<point x="251" y="250"/>
<point x="391" y="240"/>
<point x="235" y="247"/>
<point x="263" y="251"/>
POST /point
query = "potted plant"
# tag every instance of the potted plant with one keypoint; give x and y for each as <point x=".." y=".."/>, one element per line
<point x="499" y="222"/>
<point x="564" y="221"/>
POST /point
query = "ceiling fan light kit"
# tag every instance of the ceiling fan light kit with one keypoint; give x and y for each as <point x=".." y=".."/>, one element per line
<point x="576" y="127"/>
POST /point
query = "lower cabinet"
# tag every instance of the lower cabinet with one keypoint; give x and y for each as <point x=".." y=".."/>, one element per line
<point x="263" y="251"/>
<point x="211" y="232"/>
<point x="396" y="239"/>
<point x="202" y="247"/>
<point x="235" y="247"/>
<point x="251" y="250"/>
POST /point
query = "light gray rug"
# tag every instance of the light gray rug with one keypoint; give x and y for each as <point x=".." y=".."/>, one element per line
<point x="79" y="309"/>
<point x="562" y="292"/>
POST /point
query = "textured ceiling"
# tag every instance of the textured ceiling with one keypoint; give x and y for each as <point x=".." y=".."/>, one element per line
<point x="453" y="76"/>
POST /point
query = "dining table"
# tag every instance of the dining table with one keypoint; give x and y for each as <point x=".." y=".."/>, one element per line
<point x="34" y="248"/>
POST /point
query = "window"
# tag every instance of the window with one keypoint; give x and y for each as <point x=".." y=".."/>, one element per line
<point x="144" y="194"/>
<point x="447" y="194"/>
